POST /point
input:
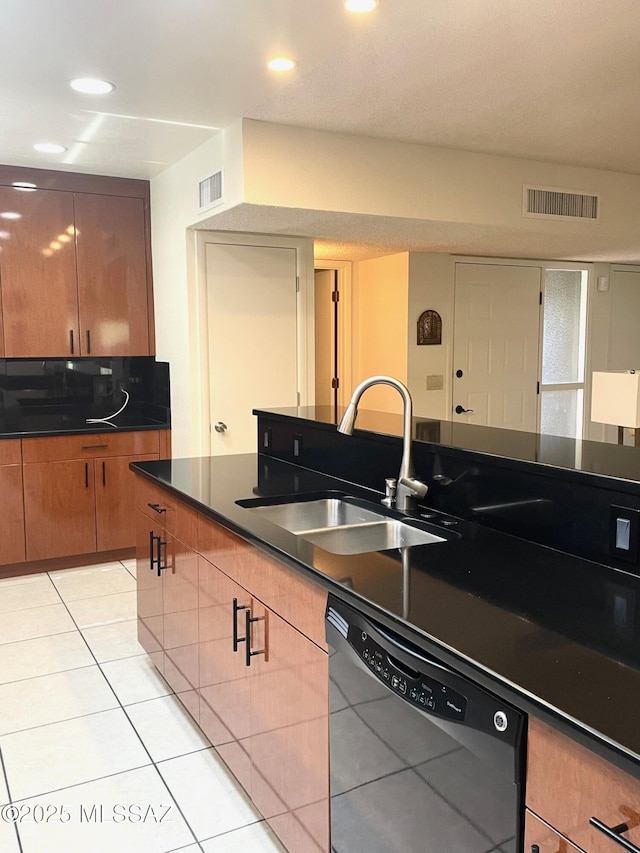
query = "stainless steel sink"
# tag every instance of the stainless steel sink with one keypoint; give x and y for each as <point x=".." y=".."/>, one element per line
<point x="343" y="527"/>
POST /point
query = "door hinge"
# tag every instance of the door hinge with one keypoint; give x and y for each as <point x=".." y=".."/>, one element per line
<point x="297" y="398"/>
<point x="335" y="296"/>
<point x="335" y="382"/>
<point x="297" y="284"/>
<point x="540" y="302"/>
<point x="538" y="391"/>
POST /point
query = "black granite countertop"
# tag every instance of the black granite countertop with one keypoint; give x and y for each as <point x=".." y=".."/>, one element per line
<point x="37" y="426"/>
<point x="578" y="460"/>
<point x="557" y="635"/>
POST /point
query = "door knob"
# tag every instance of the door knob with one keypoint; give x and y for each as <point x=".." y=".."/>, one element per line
<point x="460" y="410"/>
<point x="220" y="427"/>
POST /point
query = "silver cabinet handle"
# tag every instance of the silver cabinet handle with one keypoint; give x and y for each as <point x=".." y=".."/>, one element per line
<point x="220" y="427"/>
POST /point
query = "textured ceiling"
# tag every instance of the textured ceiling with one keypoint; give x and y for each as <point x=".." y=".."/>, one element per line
<point x="554" y="80"/>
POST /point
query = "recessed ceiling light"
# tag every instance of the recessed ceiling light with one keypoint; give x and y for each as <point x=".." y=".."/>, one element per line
<point x="49" y="148"/>
<point x="91" y="86"/>
<point x="9" y="214"/>
<point x="360" y="5"/>
<point x="281" y="63"/>
<point x="24" y="186"/>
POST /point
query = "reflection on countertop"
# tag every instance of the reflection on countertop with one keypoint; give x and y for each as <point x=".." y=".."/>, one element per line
<point x="558" y="635"/>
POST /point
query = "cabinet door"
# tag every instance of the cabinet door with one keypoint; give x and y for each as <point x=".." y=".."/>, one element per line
<point x="568" y="784"/>
<point x="115" y="501"/>
<point x="179" y="568"/>
<point x="38" y="274"/>
<point x="12" y="548"/>
<point x="225" y="688"/>
<point x="112" y="275"/>
<point x="59" y="507"/>
<point x="540" y="838"/>
<point x="149" y="589"/>
<point x="290" y="732"/>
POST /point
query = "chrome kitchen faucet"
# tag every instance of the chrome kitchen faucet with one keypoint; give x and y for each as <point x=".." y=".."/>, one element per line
<point x="408" y="489"/>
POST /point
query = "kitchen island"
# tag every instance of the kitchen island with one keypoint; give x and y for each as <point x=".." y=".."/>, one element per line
<point x="552" y="633"/>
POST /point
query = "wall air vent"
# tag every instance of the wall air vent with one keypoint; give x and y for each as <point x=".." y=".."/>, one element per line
<point x="210" y="191"/>
<point x="552" y="203"/>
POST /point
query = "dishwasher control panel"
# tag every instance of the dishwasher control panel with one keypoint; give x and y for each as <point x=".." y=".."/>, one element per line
<point x="417" y="688"/>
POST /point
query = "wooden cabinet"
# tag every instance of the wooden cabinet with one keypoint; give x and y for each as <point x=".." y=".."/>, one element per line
<point x="112" y="275"/>
<point x="167" y="590"/>
<point x="289" y="744"/>
<point x="78" y="492"/>
<point x="115" y="501"/>
<point x="12" y="548"/>
<point x="540" y="838"/>
<point x="224" y="680"/>
<point x="59" y="505"/>
<point x="264" y="705"/>
<point x="38" y="274"/>
<point x="567" y="785"/>
<point x="74" y="274"/>
<point x="261" y="683"/>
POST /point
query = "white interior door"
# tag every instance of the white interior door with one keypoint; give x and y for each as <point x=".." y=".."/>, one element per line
<point x="496" y="345"/>
<point x="252" y="331"/>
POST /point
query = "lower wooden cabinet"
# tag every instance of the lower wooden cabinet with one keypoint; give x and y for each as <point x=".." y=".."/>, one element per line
<point x="115" y="501"/>
<point x="79" y="495"/>
<point x="261" y="685"/>
<point x="568" y="785"/>
<point x="12" y="547"/>
<point x="540" y="838"/>
<point x="59" y="506"/>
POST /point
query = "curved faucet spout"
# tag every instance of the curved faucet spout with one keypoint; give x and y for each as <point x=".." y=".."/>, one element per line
<point x="408" y="488"/>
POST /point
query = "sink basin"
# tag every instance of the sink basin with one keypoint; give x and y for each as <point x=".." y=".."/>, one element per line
<point x="343" y="525"/>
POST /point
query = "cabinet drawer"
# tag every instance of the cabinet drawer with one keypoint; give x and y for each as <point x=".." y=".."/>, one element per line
<point x="298" y="600"/>
<point x="89" y="446"/>
<point x="10" y="452"/>
<point x="163" y="508"/>
<point x="567" y="784"/>
<point x="537" y="833"/>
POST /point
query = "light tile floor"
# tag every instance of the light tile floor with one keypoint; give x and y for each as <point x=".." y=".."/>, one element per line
<point x="96" y="753"/>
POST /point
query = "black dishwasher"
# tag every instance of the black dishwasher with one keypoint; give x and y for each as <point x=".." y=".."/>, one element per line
<point x="422" y="759"/>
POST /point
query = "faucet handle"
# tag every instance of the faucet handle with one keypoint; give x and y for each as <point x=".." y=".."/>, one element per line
<point x="418" y="488"/>
<point x="390" y="486"/>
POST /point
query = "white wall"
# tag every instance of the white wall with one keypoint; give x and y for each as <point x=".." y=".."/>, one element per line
<point x="300" y="168"/>
<point x="431" y="282"/>
<point x="380" y="305"/>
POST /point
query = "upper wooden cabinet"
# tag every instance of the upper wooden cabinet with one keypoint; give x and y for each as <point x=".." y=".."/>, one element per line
<point x="112" y="275"/>
<point x="39" y="291"/>
<point x="75" y="273"/>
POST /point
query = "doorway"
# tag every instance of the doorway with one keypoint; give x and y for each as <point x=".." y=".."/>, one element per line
<point x="333" y="339"/>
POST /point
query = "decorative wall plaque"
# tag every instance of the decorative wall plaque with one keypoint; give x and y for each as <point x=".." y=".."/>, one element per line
<point x="429" y="328"/>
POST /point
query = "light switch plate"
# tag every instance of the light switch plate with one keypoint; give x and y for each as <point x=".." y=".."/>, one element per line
<point x="624" y="533"/>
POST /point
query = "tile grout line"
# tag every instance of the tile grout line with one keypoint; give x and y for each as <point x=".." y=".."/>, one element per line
<point x="123" y="708"/>
<point x="119" y="705"/>
<point x="6" y="782"/>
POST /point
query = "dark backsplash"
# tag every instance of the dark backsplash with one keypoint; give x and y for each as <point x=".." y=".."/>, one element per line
<point x="563" y="508"/>
<point x="49" y="394"/>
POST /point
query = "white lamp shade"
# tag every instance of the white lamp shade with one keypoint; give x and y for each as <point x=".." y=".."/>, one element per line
<point x="615" y="398"/>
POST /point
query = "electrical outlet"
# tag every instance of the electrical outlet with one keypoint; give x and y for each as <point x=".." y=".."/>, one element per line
<point x="624" y="533"/>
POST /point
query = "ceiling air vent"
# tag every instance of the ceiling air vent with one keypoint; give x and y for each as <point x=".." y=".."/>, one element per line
<point x="210" y="191"/>
<point x="552" y="203"/>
